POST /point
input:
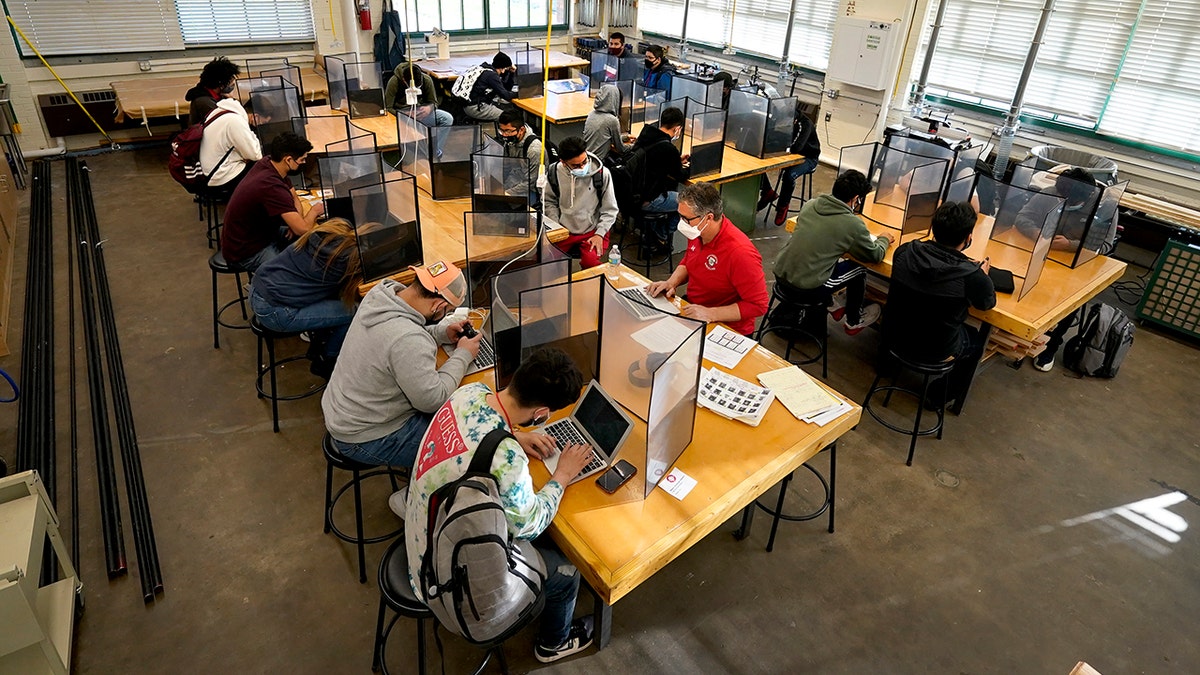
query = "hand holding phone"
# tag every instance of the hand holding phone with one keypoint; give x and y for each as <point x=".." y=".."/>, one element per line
<point x="610" y="481"/>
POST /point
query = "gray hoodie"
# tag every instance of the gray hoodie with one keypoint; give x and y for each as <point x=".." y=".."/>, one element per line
<point x="602" y="129"/>
<point x="578" y="207"/>
<point x="387" y="369"/>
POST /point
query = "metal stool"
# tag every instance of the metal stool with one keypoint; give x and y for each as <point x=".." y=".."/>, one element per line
<point x="268" y="336"/>
<point x="806" y="326"/>
<point x="803" y="191"/>
<point x="777" y="513"/>
<point x="209" y="204"/>
<point x="218" y="265"/>
<point x="395" y="593"/>
<point x="640" y="222"/>
<point x="334" y="459"/>
<point x="927" y="371"/>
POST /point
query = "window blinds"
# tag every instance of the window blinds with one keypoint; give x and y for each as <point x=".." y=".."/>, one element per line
<point x="61" y="27"/>
<point x="760" y="26"/>
<point x="708" y="21"/>
<point x="1158" y="91"/>
<point x="662" y="17"/>
<point x="234" y="21"/>
<point x="812" y="33"/>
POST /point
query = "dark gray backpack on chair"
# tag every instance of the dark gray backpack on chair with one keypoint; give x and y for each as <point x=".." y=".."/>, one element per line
<point x="1104" y="339"/>
<point x="479" y="582"/>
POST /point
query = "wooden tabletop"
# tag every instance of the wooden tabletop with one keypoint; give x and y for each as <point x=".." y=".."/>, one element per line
<point x="559" y="108"/>
<point x="451" y="68"/>
<point x="1060" y="290"/>
<point x="148" y="97"/>
<point x="736" y="165"/>
<point x="619" y="541"/>
<point x="324" y="127"/>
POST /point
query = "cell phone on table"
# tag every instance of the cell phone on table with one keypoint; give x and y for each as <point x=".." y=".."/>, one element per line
<point x="610" y="481"/>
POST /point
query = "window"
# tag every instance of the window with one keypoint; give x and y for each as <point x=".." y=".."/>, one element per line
<point x="812" y="33"/>
<point x="1156" y="95"/>
<point x="237" y="21"/>
<point x="1125" y="68"/>
<point x="755" y="26"/>
<point x="450" y="15"/>
<point x="60" y="27"/>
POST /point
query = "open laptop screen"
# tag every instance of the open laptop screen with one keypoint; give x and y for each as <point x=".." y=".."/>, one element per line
<point x="601" y="418"/>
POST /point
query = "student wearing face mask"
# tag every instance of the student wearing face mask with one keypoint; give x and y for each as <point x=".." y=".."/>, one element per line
<point x="722" y="269"/>
<point x="520" y="141"/>
<point x="579" y="195"/>
<point x="386" y="384"/>
<point x="216" y="83"/>
<point x="547" y="381"/>
<point x="810" y="268"/>
<point x="665" y="169"/>
<point x="264" y="212"/>
<point x="491" y="89"/>
<point x="658" y="69"/>
<point x="616" y="44"/>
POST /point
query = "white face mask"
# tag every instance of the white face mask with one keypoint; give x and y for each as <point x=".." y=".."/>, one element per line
<point x="689" y="231"/>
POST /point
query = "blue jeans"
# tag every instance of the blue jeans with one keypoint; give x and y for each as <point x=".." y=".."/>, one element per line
<point x="665" y="203"/>
<point x="561" y="589"/>
<point x="330" y="319"/>
<point x="257" y="260"/>
<point x="398" y="448"/>
<point x="788" y="176"/>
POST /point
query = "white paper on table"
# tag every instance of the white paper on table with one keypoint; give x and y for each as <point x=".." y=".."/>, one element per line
<point x="821" y="419"/>
<point x="663" y="335"/>
<point x="726" y="348"/>
<point x="797" y="392"/>
<point x="677" y="484"/>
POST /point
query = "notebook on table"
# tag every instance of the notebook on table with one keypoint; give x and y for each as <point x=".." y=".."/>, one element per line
<point x="596" y="421"/>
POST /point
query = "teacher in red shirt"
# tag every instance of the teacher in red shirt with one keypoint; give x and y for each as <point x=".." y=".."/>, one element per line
<point x="722" y="269"/>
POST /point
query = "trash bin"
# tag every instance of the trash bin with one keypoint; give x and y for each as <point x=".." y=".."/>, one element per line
<point x="1103" y="169"/>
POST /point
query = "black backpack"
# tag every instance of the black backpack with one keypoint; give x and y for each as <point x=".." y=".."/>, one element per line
<point x="479" y="582"/>
<point x="629" y="179"/>
<point x="1104" y="339"/>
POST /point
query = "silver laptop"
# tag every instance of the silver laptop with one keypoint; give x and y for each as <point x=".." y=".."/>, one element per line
<point x="644" y="306"/>
<point x="596" y="421"/>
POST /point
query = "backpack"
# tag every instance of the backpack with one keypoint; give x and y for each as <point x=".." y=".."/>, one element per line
<point x="184" y="162"/>
<point x="478" y="581"/>
<point x="1104" y="339"/>
<point x="629" y="179"/>
<point x="466" y="82"/>
<point x="552" y="179"/>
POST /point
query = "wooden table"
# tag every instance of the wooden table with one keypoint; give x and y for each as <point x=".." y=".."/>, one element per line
<point x="619" y="541"/>
<point x="148" y="97"/>
<point x="559" y="108"/>
<point x="324" y="126"/>
<point x="449" y="69"/>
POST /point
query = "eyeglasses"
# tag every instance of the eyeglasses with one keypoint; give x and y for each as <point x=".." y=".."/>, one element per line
<point x="580" y="165"/>
<point x="693" y="218"/>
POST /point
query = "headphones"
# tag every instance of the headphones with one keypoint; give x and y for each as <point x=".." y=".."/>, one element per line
<point x="641" y="372"/>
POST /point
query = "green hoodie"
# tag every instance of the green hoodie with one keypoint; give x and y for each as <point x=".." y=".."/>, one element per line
<point x="826" y="229"/>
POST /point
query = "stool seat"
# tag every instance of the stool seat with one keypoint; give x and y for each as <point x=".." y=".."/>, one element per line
<point x="260" y="330"/>
<point x="810" y="325"/>
<point x="927" y="371"/>
<point x="334" y="456"/>
<point x="218" y="264"/>
<point x="394" y="586"/>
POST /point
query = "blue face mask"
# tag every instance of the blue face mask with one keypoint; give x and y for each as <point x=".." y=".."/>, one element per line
<point x="581" y="172"/>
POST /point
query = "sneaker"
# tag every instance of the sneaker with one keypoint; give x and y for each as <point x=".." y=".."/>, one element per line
<point x="837" y="308"/>
<point x="870" y="314"/>
<point x="306" y="336"/>
<point x="1043" y="365"/>
<point x="578" y="639"/>
<point x="398" y="502"/>
<point x="765" y="199"/>
<point x="781" y="216"/>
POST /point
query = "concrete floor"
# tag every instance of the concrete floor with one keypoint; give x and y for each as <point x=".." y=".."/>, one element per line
<point x="998" y="551"/>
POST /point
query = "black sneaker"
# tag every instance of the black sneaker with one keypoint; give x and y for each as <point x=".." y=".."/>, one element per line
<point x="578" y="639"/>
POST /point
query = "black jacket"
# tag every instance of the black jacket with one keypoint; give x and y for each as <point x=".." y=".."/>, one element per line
<point x="804" y="139"/>
<point x="490" y="86"/>
<point x="202" y="103"/>
<point x="932" y="288"/>
<point x="664" y="165"/>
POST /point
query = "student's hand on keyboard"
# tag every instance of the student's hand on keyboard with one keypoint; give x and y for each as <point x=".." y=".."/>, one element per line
<point x="660" y="288"/>
<point x="471" y="344"/>
<point x="571" y="462"/>
<point x="536" y="445"/>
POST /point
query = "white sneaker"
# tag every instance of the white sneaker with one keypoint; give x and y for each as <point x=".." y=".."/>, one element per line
<point x="870" y="314"/>
<point x="837" y="308"/>
<point x="1043" y="367"/>
<point x="398" y="502"/>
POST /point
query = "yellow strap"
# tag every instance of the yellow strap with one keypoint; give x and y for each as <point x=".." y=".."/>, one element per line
<point x="64" y="84"/>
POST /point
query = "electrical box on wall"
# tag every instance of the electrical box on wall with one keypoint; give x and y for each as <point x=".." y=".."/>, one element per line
<point x="864" y="52"/>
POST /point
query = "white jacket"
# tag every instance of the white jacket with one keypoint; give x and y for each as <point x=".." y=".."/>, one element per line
<point x="232" y="129"/>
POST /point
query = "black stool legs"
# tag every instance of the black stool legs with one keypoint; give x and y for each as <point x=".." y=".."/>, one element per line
<point x="358" y="473"/>
<point x="217" y="265"/>
<point x="777" y="514"/>
<point x="927" y="371"/>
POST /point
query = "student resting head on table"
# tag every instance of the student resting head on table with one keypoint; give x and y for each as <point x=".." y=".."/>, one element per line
<point x="312" y="286"/>
<point x="721" y="267"/>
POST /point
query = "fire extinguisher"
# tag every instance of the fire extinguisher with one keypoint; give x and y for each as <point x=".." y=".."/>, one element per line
<point x="364" y="14"/>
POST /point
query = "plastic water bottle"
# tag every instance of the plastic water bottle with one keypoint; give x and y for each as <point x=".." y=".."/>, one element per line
<point x="614" y="263"/>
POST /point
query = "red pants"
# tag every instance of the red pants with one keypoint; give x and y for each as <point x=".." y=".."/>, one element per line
<point x="576" y="244"/>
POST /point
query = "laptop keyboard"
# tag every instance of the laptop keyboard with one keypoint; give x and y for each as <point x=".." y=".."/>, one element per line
<point x="637" y="298"/>
<point x="566" y="434"/>
<point x="486" y="358"/>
